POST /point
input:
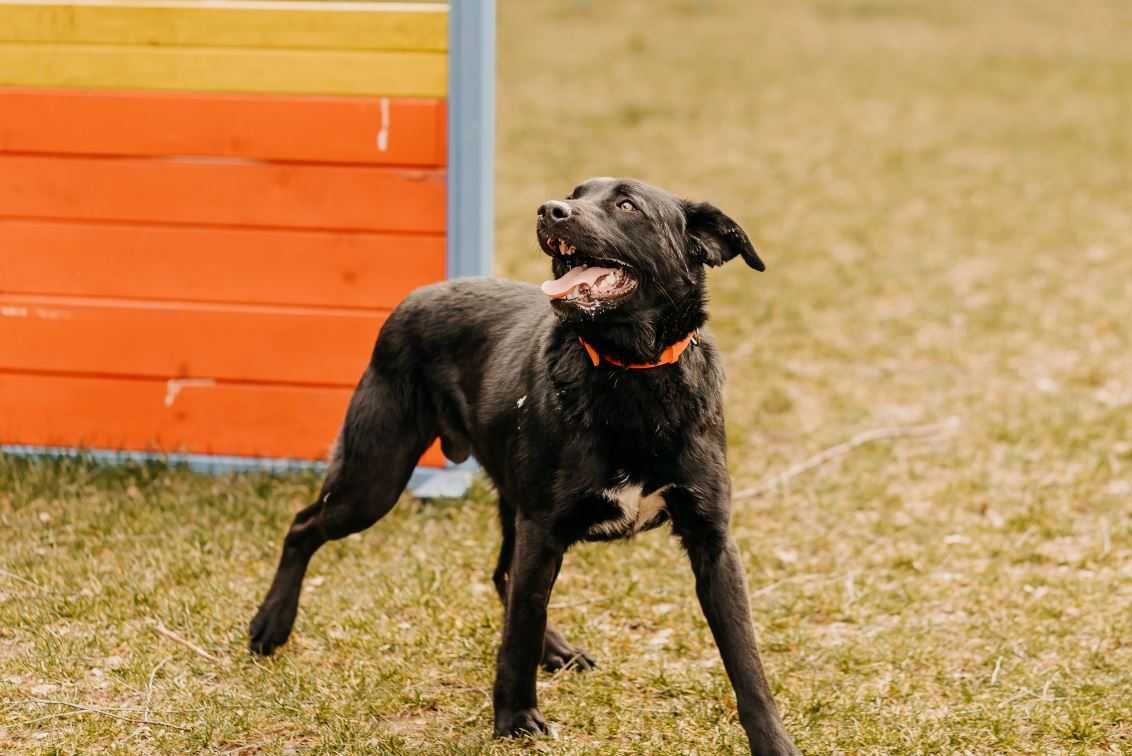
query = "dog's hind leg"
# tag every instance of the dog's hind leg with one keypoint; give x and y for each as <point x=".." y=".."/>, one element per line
<point x="385" y="432"/>
<point x="557" y="653"/>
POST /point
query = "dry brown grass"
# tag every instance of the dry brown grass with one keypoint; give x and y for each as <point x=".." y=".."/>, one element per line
<point x="942" y="193"/>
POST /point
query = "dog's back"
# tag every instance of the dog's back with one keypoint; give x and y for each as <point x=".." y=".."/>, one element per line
<point x="444" y="324"/>
<point x="453" y="349"/>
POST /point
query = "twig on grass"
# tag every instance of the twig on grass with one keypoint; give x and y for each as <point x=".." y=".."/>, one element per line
<point x="483" y="707"/>
<point x="579" y="602"/>
<point x="477" y="714"/>
<point x="997" y="669"/>
<point x="160" y="628"/>
<point x="54" y="715"/>
<point x="149" y="686"/>
<point x="78" y="708"/>
<point x="861" y="439"/>
<point x="20" y="578"/>
<point x="805" y="579"/>
<point x="1045" y="688"/>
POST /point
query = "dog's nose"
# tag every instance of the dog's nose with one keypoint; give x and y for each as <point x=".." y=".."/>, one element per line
<point x="554" y="211"/>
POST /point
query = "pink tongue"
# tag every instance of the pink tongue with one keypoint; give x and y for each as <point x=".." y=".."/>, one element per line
<point x="575" y="277"/>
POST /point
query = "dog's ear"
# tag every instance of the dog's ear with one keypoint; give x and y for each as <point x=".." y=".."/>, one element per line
<point x="713" y="238"/>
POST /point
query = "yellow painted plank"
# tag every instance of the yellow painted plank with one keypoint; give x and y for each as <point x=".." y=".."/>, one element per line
<point x="329" y="72"/>
<point x="304" y="25"/>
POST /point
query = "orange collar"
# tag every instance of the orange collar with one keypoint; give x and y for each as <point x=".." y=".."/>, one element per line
<point x="670" y="354"/>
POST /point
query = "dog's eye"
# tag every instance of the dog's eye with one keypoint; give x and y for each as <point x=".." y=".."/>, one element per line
<point x="627" y="206"/>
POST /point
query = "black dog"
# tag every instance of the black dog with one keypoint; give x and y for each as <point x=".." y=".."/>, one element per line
<point x="597" y="415"/>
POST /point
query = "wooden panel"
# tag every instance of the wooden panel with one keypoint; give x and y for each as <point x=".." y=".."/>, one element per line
<point x="225" y="69"/>
<point x="206" y="191"/>
<point x="154" y="415"/>
<point x="258" y="266"/>
<point x="172" y="340"/>
<point x="331" y="25"/>
<point x="269" y="127"/>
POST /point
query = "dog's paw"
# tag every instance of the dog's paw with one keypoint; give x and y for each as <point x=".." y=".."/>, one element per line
<point x="513" y="724"/>
<point x="269" y="629"/>
<point x="776" y="748"/>
<point x="562" y="656"/>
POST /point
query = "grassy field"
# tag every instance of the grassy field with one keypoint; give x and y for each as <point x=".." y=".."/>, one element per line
<point x="943" y="194"/>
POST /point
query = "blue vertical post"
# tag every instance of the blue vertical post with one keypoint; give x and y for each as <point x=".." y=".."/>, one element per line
<point x="471" y="137"/>
<point x="471" y="180"/>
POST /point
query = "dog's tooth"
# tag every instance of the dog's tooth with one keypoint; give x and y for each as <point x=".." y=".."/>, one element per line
<point x="562" y="247"/>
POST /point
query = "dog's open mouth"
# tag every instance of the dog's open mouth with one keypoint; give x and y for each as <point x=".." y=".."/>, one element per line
<point x="587" y="282"/>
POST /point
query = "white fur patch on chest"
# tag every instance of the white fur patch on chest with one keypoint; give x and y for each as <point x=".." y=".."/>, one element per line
<point x="636" y="510"/>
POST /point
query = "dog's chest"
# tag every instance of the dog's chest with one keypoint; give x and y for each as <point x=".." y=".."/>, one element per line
<point x="636" y="510"/>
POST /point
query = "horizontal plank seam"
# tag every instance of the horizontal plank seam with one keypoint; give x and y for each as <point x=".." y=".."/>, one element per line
<point x="299" y="5"/>
<point x="430" y="168"/>
<point x="212" y="159"/>
<point x="125" y="223"/>
<point x="222" y="226"/>
<point x="235" y="308"/>
<point x="313" y="49"/>
<point x="113" y="92"/>
<point x="159" y="380"/>
<point x="233" y="305"/>
<point x="126" y="49"/>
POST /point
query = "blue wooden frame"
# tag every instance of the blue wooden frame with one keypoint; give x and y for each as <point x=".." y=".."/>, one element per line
<point x="471" y="137"/>
<point x="471" y="194"/>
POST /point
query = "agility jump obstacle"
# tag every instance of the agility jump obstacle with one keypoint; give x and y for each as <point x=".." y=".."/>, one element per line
<point x="207" y="209"/>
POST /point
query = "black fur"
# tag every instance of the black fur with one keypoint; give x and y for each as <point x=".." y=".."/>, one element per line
<point x="494" y="370"/>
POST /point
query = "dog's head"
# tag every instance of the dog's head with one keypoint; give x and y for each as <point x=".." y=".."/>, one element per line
<point x="622" y="246"/>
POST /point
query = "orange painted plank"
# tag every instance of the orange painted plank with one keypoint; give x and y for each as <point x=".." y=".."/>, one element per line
<point x="174" y="340"/>
<point x="390" y="131"/>
<point x="258" y="266"/>
<point x="204" y="191"/>
<point x="147" y="415"/>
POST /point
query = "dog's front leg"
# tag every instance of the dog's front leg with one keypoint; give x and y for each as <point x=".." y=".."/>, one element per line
<point x="722" y="591"/>
<point x="537" y="560"/>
